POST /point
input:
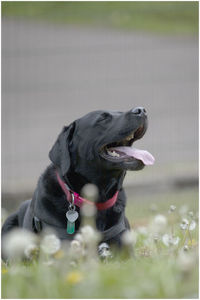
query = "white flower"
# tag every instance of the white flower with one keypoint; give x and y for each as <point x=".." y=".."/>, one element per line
<point x="129" y="237"/>
<point x="172" y="208"/>
<point x="186" y="248"/>
<point x="31" y="251"/>
<point x="191" y="214"/>
<point x="184" y="224"/>
<point x="90" y="191"/>
<point x="192" y="225"/>
<point x="78" y="237"/>
<point x="75" y="245"/>
<point x="76" y="249"/>
<point x="104" y="251"/>
<point x="88" y="210"/>
<point x="90" y="236"/>
<point x="159" y="224"/>
<point x="16" y="241"/>
<point x="169" y="240"/>
<point x="50" y="244"/>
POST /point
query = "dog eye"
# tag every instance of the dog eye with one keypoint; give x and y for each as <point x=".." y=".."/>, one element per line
<point x="104" y="116"/>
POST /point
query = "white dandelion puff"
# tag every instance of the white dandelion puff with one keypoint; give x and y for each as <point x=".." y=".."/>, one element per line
<point x="159" y="224"/>
<point x="185" y="248"/>
<point x="184" y="224"/>
<point x="31" y="251"/>
<point x="76" y="249"/>
<point x="104" y="251"/>
<point x="129" y="237"/>
<point x="169" y="240"/>
<point x="89" y="235"/>
<point x="78" y="237"/>
<point x="16" y="241"/>
<point x="172" y="208"/>
<point x="192" y="225"/>
<point x="191" y="214"/>
<point x="50" y="244"/>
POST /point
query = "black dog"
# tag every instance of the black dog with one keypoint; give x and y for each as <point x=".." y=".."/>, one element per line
<point x="94" y="149"/>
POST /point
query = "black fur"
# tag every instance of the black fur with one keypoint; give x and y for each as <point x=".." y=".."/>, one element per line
<point x="76" y="156"/>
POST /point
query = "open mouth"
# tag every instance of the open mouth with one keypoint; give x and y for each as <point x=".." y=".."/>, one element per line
<point x="122" y="151"/>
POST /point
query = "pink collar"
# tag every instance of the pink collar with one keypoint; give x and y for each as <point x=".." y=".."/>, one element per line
<point x="79" y="201"/>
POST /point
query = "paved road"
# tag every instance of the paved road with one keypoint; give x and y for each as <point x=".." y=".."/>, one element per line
<point x="51" y="75"/>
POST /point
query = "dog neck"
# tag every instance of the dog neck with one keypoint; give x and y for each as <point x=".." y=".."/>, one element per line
<point x="107" y="186"/>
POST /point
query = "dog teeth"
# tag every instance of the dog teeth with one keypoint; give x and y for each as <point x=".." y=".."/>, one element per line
<point x="130" y="137"/>
<point x="113" y="153"/>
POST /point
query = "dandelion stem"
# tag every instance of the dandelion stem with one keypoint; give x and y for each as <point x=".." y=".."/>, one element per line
<point x="190" y="235"/>
<point x="185" y="236"/>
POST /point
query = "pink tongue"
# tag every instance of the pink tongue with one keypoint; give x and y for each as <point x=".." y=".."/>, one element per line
<point x="142" y="155"/>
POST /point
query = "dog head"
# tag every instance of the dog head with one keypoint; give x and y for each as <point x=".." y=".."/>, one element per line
<point x="102" y="141"/>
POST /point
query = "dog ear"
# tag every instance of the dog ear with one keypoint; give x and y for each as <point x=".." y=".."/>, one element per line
<point x="59" y="154"/>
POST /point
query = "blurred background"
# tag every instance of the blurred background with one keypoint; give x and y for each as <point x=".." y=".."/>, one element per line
<point x="61" y="60"/>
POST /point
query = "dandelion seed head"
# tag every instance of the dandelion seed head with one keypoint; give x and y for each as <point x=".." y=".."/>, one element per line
<point x="160" y="220"/>
<point x="192" y="225"/>
<point x="185" y="248"/>
<point x="78" y="237"/>
<point x="185" y="221"/>
<point x="184" y="224"/>
<point x="169" y="240"/>
<point x="15" y="243"/>
<point x="90" y="191"/>
<point x="50" y="244"/>
<point x="31" y="251"/>
<point x="129" y="237"/>
<point x="191" y="214"/>
<point x="89" y="234"/>
<point x="172" y="208"/>
<point x="88" y="210"/>
<point x="103" y="246"/>
<point x="104" y="251"/>
<point x="159" y="224"/>
<point x="76" y="249"/>
<point x="75" y="245"/>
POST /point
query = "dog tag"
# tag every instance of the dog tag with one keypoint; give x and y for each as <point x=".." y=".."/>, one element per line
<point x="72" y="215"/>
<point x="70" y="227"/>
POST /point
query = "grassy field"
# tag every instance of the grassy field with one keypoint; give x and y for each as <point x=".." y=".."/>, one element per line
<point x="161" y="17"/>
<point x="161" y="268"/>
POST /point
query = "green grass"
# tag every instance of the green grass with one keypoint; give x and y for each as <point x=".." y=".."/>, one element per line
<point x="155" y="272"/>
<point x="139" y="207"/>
<point x="161" y="17"/>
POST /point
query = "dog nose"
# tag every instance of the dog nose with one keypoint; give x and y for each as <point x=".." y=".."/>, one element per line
<point x="140" y="111"/>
